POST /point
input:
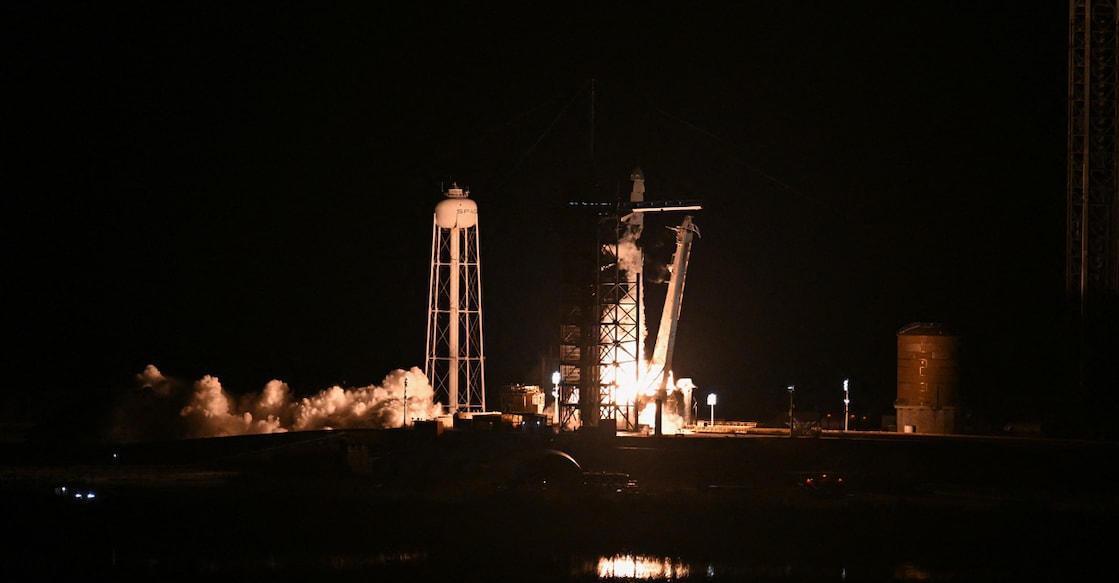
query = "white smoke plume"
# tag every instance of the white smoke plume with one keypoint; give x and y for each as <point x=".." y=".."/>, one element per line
<point x="175" y="410"/>
<point x="629" y="256"/>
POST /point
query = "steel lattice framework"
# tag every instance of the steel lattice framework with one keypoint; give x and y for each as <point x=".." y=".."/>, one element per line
<point x="455" y="364"/>
<point x="1093" y="164"/>
<point x="619" y="326"/>
<point x="603" y="336"/>
<point x="573" y="360"/>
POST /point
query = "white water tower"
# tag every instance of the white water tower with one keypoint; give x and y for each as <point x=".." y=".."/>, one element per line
<point x="455" y="364"/>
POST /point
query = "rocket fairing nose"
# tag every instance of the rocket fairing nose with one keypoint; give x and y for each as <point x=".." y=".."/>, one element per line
<point x="637" y="174"/>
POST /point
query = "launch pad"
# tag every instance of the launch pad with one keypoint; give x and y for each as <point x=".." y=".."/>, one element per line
<point x="606" y="374"/>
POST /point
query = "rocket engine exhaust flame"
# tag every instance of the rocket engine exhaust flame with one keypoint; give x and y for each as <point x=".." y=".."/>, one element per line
<point x="643" y="393"/>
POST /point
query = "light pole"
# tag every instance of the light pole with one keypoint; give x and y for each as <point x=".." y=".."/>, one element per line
<point x="404" y="421"/>
<point x="711" y="401"/>
<point x="846" y="403"/>
<point x="791" y="388"/>
<point x="556" y="398"/>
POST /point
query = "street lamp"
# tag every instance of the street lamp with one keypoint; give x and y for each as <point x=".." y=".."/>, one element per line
<point x="791" y="388"/>
<point x="556" y="397"/>
<point x="711" y="401"/>
<point x="846" y="403"/>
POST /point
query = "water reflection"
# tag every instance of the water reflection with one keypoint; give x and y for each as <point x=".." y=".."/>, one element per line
<point x="114" y="562"/>
<point x="641" y="567"/>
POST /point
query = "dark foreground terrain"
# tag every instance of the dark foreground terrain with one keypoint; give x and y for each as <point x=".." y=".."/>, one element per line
<point x="503" y="505"/>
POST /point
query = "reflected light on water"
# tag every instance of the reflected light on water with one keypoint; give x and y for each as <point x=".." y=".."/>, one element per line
<point x="910" y="572"/>
<point x="640" y="567"/>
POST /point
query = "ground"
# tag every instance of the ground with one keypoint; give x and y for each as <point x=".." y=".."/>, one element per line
<point x="910" y="507"/>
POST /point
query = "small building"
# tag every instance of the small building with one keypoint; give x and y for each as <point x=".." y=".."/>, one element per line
<point x="522" y="399"/>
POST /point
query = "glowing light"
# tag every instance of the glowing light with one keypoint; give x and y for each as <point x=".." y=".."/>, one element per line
<point x="632" y="391"/>
<point x="846" y="403"/>
<point x="641" y="567"/>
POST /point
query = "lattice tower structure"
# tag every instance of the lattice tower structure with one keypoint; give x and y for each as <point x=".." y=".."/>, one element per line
<point x="619" y="347"/>
<point x="1092" y="274"/>
<point x="455" y="362"/>
<point x="1092" y="258"/>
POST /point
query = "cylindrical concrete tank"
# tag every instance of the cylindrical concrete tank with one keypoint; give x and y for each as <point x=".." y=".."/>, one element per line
<point x="928" y="378"/>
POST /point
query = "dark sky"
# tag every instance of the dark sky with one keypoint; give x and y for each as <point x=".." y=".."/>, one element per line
<point x="245" y="190"/>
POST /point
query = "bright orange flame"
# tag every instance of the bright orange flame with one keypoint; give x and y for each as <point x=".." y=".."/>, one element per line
<point x="637" y="392"/>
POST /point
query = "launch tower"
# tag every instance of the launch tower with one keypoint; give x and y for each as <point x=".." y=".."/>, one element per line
<point x="603" y="333"/>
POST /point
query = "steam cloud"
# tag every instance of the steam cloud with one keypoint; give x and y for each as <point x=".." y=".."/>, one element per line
<point x="167" y="408"/>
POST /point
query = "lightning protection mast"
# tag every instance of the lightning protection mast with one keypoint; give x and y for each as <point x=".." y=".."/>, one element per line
<point x="1092" y="218"/>
<point x="455" y="364"/>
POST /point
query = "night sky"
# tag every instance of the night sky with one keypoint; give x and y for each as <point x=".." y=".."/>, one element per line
<point x="245" y="190"/>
